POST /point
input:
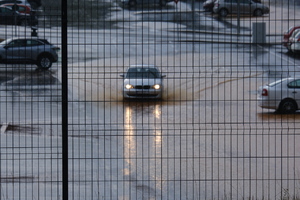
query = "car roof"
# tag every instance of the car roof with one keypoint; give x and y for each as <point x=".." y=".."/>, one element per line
<point x="12" y="4"/>
<point x="45" y="41"/>
<point x="142" y="66"/>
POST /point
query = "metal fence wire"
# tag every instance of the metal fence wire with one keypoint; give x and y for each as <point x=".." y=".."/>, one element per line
<point x="137" y="99"/>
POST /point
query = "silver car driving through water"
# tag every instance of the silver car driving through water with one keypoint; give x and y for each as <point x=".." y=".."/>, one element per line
<point x="143" y="81"/>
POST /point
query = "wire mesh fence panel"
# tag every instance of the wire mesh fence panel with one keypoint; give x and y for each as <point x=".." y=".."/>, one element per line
<point x="165" y="100"/>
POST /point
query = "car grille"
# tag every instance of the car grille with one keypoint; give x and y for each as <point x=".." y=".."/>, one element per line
<point x="142" y="87"/>
<point x="143" y="95"/>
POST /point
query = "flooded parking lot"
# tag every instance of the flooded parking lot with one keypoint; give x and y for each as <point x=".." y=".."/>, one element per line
<point x="205" y="139"/>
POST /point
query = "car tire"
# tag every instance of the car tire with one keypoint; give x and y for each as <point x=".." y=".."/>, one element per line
<point x="258" y="13"/>
<point x="44" y="62"/>
<point x="287" y="106"/>
<point x="162" y="3"/>
<point x="223" y="12"/>
<point x="132" y="3"/>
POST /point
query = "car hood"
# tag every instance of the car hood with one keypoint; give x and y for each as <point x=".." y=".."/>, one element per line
<point x="143" y="81"/>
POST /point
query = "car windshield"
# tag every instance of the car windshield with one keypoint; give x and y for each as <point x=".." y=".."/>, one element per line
<point x="5" y="42"/>
<point x="142" y="73"/>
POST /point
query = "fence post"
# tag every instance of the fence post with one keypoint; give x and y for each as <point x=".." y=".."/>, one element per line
<point x="64" y="75"/>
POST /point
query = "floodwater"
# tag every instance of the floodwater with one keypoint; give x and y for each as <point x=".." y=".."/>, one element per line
<point x="206" y="139"/>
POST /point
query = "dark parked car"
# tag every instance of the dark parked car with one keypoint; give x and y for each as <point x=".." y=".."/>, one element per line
<point x="29" y="50"/>
<point x="11" y="17"/>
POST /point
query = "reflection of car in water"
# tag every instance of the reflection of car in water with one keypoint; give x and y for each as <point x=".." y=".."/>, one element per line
<point x="225" y="7"/>
<point x="23" y="50"/>
<point x="143" y="81"/>
<point x="282" y="95"/>
<point x="132" y="3"/>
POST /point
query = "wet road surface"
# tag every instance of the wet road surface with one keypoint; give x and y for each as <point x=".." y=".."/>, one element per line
<point x="206" y="139"/>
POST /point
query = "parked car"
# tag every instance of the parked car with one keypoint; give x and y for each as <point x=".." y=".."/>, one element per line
<point x="19" y="7"/>
<point x="133" y="3"/>
<point x="32" y="3"/>
<point x="143" y="81"/>
<point x="294" y="45"/>
<point x="23" y="2"/>
<point x="282" y="95"/>
<point x="209" y="5"/>
<point x="292" y="40"/>
<point x="11" y="17"/>
<point x="225" y="7"/>
<point x="29" y="50"/>
<point x="288" y="34"/>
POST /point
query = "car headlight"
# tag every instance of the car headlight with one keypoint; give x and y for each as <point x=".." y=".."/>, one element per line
<point x="128" y="86"/>
<point x="156" y="86"/>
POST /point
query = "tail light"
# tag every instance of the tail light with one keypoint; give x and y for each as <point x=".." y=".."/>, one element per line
<point x="264" y="92"/>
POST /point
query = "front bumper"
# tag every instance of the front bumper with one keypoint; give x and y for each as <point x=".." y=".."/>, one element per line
<point x="142" y="93"/>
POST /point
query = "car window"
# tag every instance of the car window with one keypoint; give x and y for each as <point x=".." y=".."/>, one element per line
<point x="22" y="9"/>
<point x="142" y="73"/>
<point x="294" y="84"/>
<point x="17" y="43"/>
<point x="297" y="36"/>
<point x="33" y="43"/>
<point x="5" y="10"/>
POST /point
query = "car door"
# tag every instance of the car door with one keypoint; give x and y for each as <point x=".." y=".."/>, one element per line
<point x="245" y="7"/>
<point x="294" y="90"/>
<point x="33" y="47"/>
<point x="15" y="50"/>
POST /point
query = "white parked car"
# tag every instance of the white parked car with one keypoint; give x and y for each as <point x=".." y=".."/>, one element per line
<point x="249" y="7"/>
<point x="143" y="81"/>
<point x="282" y="95"/>
<point x="294" y="45"/>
